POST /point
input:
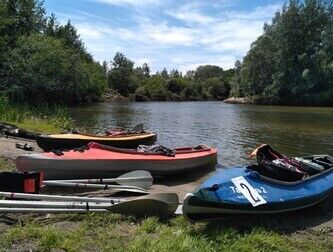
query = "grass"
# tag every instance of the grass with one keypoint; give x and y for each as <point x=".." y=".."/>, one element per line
<point x="6" y="164"/>
<point x="44" y="119"/>
<point x="36" y="125"/>
<point x="109" y="232"/>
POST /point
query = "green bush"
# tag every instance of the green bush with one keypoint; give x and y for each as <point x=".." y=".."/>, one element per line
<point x="218" y="88"/>
<point x="45" y="70"/>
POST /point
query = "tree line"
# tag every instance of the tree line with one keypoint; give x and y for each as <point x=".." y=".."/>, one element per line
<point x="207" y="82"/>
<point x="43" y="61"/>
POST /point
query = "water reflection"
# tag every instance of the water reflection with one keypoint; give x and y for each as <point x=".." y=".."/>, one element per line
<point x="233" y="129"/>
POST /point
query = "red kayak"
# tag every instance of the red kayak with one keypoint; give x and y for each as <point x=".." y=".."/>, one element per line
<point x="98" y="161"/>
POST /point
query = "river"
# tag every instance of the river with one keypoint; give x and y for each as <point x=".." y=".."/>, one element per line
<point x="233" y="129"/>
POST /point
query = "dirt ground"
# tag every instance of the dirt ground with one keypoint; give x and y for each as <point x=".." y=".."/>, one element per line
<point x="317" y="218"/>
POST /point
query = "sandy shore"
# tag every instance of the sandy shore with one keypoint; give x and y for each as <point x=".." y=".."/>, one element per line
<point x="240" y="100"/>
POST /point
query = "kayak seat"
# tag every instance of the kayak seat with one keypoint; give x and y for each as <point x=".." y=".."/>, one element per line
<point x="159" y="149"/>
<point x="324" y="160"/>
<point x="277" y="172"/>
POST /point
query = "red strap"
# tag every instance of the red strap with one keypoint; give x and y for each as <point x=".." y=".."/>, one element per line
<point x="41" y="177"/>
<point x="29" y="186"/>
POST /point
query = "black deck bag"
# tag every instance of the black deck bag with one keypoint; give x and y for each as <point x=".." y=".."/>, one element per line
<point x="157" y="149"/>
<point x="280" y="171"/>
<point x="20" y="182"/>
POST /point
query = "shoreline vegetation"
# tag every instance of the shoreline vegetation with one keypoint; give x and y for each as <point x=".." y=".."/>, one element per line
<point x="46" y="63"/>
<point x="48" y="119"/>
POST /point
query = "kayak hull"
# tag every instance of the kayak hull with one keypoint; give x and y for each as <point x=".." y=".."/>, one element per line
<point x="203" y="205"/>
<point x="70" y="141"/>
<point x="112" y="163"/>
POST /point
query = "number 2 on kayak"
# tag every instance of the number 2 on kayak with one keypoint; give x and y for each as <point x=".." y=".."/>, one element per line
<point x="250" y="193"/>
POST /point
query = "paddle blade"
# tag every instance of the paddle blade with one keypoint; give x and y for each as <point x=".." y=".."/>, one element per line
<point x="137" y="129"/>
<point x="161" y="204"/>
<point x="137" y="174"/>
<point x="139" y="178"/>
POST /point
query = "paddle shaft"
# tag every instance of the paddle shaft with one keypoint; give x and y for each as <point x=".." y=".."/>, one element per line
<point x="13" y="195"/>
<point x="97" y="186"/>
<point x="138" y="178"/>
<point x="48" y="210"/>
<point x="106" y="180"/>
<point x="52" y="204"/>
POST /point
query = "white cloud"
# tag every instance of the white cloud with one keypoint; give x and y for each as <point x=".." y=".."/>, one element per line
<point x="260" y="12"/>
<point x="190" y="61"/>
<point x="195" y="39"/>
<point x="130" y="2"/>
<point x="141" y="61"/>
<point x="89" y="32"/>
<point x="163" y="34"/>
<point x="190" y="13"/>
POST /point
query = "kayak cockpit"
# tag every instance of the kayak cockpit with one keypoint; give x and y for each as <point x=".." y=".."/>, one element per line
<point x="293" y="170"/>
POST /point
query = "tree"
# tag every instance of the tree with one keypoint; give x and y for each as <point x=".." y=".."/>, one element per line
<point x="155" y="88"/>
<point x="21" y="17"/>
<point x="174" y="73"/>
<point x="260" y="64"/>
<point x="218" y="88"/>
<point x="236" y="81"/>
<point x="290" y="62"/>
<point x="164" y="73"/>
<point x="42" y="69"/>
<point x="176" y="84"/>
<point x="120" y="77"/>
<point x="145" y="70"/>
<point x="190" y="74"/>
<point x="208" y="71"/>
<point x="17" y="18"/>
<point x="141" y="75"/>
<point x="71" y="38"/>
<point x="105" y="68"/>
<point x="52" y="26"/>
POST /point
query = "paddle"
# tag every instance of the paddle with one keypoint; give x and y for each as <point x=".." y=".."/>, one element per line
<point x="12" y="195"/>
<point x="160" y="204"/>
<point x="116" y="188"/>
<point x="53" y="204"/>
<point x="136" y="129"/>
<point x="139" y="178"/>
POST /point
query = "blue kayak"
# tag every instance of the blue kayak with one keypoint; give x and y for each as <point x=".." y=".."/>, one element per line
<point x="245" y="190"/>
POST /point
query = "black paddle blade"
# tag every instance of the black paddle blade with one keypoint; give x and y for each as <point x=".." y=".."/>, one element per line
<point x="137" y="129"/>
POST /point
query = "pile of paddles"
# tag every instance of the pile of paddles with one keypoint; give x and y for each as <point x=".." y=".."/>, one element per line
<point x="20" y="190"/>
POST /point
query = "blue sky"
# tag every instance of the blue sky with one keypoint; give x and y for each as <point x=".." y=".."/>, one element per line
<point x="173" y="34"/>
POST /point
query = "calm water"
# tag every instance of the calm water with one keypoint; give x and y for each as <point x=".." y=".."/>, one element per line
<point x="233" y="129"/>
